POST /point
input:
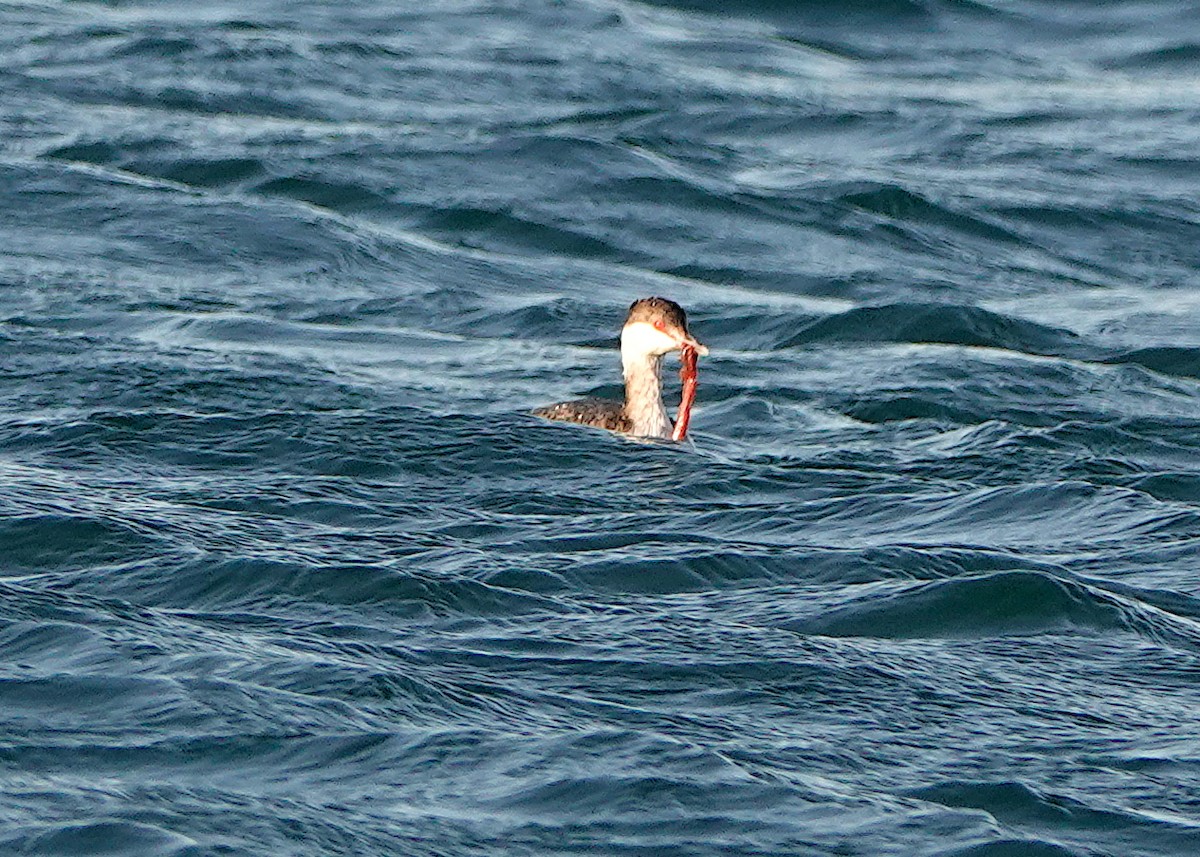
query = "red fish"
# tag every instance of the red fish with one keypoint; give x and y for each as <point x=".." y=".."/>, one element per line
<point x="687" y="373"/>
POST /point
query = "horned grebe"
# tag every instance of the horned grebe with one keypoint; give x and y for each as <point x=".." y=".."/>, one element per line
<point x="654" y="327"/>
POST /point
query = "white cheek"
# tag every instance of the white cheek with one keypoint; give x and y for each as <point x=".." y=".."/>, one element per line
<point x="643" y="338"/>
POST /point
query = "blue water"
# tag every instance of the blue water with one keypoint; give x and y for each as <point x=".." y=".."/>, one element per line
<point x="288" y="569"/>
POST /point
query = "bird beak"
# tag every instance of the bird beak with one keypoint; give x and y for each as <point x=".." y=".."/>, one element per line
<point x="687" y="341"/>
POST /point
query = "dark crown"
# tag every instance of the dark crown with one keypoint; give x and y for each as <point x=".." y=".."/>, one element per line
<point x="651" y="310"/>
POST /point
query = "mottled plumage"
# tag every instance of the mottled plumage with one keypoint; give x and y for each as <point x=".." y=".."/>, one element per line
<point x="601" y="413"/>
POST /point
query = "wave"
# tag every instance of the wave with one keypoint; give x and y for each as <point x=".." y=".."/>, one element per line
<point x="1007" y="603"/>
<point x="1011" y="847"/>
<point x="1178" y="486"/>
<point x="1022" y="807"/>
<point x="219" y="583"/>
<point x="1179" y="361"/>
<point x="905" y="206"/>
<point x="785" y="12"/>
<point x="949" y="324"/>
<point x="119" y="838"/>
<point x="1182" y="57"/>
<point x="506" y="231"/>
<point x="345" y="197"/>
<point x="37" y="543"/>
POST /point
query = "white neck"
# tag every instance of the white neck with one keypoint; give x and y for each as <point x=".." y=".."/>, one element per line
<point x="641" y="359"/>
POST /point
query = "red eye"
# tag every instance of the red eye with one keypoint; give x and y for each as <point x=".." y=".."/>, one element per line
<point x="659" y="324"/>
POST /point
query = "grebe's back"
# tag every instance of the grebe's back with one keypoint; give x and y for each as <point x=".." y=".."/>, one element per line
<point x="599" y="413"/>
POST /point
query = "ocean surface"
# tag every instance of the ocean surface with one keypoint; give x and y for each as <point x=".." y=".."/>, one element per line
<point x="287" y="568"/>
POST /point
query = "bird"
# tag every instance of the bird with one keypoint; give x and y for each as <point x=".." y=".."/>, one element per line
<point x="653" y="328"/>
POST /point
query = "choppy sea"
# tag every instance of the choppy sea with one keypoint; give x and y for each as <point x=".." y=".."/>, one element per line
<point x="287" y="568"/>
